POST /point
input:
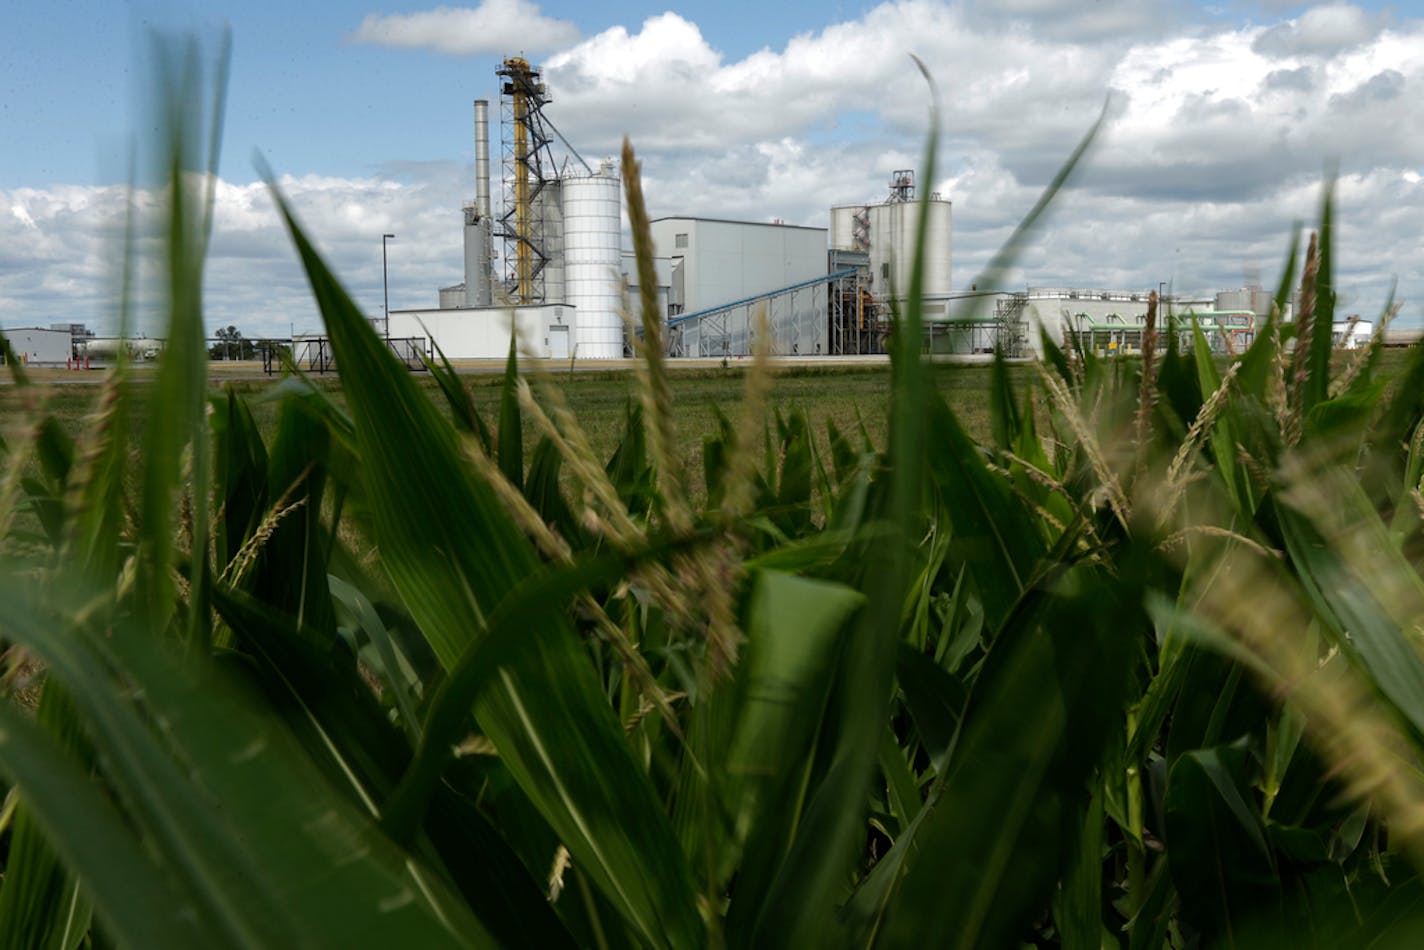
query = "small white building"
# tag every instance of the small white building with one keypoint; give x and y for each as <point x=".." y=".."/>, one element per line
<point x="471" y="333"/>
<point x="36" y="346"/>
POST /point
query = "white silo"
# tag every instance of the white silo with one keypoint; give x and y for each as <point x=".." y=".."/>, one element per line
<point x="893" y="231"/>
<point x="592" y="274"/>
<point x="549" y="230"/>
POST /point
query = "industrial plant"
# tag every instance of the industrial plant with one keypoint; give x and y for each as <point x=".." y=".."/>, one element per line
<point x="562" y="277"/>
<point x="550" y="261"/>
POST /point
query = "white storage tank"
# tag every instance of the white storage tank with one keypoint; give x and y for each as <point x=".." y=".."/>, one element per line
<point x="843" y="227"/>
<point x="452" y="297"/>
<point x="478" y="292"/>
<point x="592" y="276"/>
<point x="893" y="230"/>
<point x="549" y="212"/>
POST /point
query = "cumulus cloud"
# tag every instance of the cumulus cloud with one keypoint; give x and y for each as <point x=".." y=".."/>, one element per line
<point x="65" y="266"/>
<point x="492" y="27"/>
<point x="1074" y="20"/>
<point x="1320" y="30"/>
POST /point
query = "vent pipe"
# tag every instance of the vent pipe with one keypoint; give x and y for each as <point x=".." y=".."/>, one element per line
<point x="482" y="184"/>
<point x="479" y="266"/>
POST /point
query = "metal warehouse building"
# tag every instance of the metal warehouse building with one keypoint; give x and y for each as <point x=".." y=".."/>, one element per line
<point x="723" y="272"/>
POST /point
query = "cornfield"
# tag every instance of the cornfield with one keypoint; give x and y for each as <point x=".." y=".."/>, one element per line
<point x="1143" y="670"/>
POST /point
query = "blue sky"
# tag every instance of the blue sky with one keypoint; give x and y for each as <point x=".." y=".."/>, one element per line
<point x="1225" y="116"/>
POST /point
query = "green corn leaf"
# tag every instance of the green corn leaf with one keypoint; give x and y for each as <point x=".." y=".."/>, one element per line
<point x="530" y="606"/>
<point x="240" y="473"/>
<point x="793" y="498"/>
<point x="1004" y="417"/>
<point x="1223" y="867"/>
<point x="457" y="396"/>
<point x="41" y="904"/>
<point x="795" y="627"/>
<point x="1033" y="732"/>
<point x="935" y="699"/>
<point x="542" y="488"/>
<point x="1352" y="598"/>
<point x="1223" y="436"/>
<point x="843" y="456"/>
<point x="1317" y="383"/>
<point x="339" y="722"/>
<point x="511" y="431"/>
<point x="291" y="570"/>
<point x="1080" y="918"/>
<point x="993" y="532"/>
<point x="86" y="830"/>
<point x="181" y="385"/>
<point x="902" y="790"/>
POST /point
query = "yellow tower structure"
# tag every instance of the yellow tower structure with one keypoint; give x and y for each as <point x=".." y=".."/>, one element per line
<point x="528" y="169"/>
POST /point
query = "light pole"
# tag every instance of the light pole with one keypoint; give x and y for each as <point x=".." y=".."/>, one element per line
<point x="386" y="287"/>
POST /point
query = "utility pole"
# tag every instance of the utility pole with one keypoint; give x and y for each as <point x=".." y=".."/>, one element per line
<point x="385" y="288"/>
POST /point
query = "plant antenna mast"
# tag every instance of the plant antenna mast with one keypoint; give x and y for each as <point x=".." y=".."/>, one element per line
<point x="528" y="170"/>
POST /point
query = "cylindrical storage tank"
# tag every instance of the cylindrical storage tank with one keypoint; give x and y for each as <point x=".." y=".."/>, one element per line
<point x="478" y="263"/>
<point x="1233" y="300"/>
<point x="843" y="227"/>
<point x="937" y="248"/>
<point x="548" y="211"/>
<point x="482" y="182"/>
<point x="592" y="255"/>
<point x="893" y="232"/>
<point x="452" y="297"/>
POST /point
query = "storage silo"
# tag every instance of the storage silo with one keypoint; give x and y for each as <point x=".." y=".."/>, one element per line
<point x="548" y="212"/>
<point x="1256" y="299"/>
<point x="893" y="231"/>
<point x="843" y="227"/>
<point x="592" y="274"/>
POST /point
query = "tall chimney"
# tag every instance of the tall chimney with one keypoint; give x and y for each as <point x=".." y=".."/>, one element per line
<point x="482" y="183"/>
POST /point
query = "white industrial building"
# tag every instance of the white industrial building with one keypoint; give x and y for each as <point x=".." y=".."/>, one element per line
<point x="37" y="346"/>
<point x="715" y="262"/>
<point x="724" y="273"/>
<point x="548" y="330"/>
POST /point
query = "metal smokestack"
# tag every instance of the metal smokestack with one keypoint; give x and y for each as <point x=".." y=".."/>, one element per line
<point x="479" y="268"/>
<point x="482" y="185"/>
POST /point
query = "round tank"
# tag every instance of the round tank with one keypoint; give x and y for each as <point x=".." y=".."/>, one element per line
<point x="1258" y="301"/>
<point x="452" y="297"/>
<point x="893" y="231"/>
<point x="593" y="279"/>
<point x="548" y="210"/>
<point x="843" y="226"/>
<point x="478" y="263"/>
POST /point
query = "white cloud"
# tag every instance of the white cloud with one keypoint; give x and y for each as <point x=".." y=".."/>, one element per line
<point x="494" y="26"/>
<point x="1320" y="30"/>
<point x="66" y="267"/>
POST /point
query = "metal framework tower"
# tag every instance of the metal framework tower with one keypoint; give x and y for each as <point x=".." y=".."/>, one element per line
<point x="1010" y="327"/>
<point x="902" y="186"/>
<point x="528" y="168"/>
